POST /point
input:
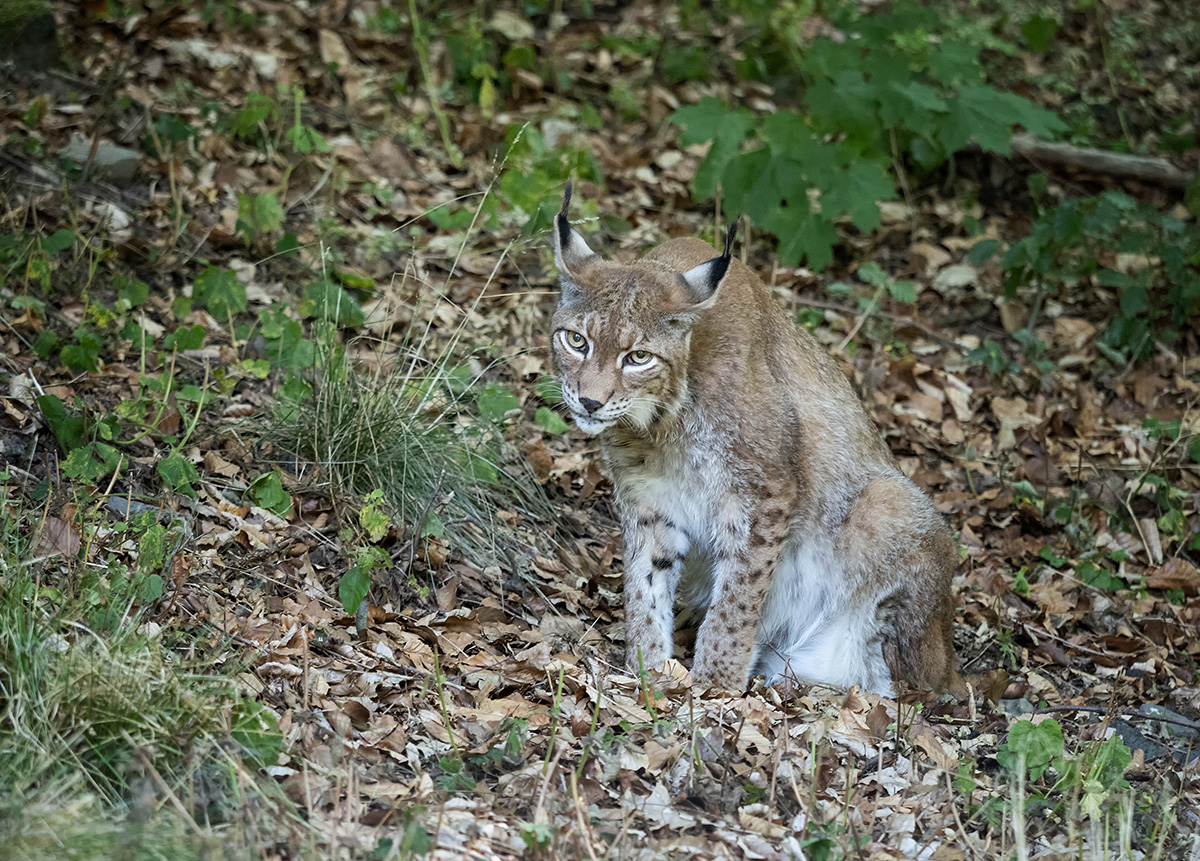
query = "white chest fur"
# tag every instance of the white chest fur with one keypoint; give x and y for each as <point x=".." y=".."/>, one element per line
<point x="813" y="626"/>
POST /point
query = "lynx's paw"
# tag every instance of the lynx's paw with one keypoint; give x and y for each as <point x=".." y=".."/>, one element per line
<point x="644" y="659"/>
<point x="719" y="672"/>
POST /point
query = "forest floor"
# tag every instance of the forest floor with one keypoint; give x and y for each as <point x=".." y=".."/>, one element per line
<point x="478" y="708"/>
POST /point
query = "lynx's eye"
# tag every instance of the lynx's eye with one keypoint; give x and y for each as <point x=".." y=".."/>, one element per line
<point x="576" y="341"/>
<point x="638" y="357"/>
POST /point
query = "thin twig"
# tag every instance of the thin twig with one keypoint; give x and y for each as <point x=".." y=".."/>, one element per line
<point x="539" y="811"/>
<point x="896" y="320"/>
<point x="872" y="306"/>
<point x="968" y="840"/>
<point x="1101" y="710"/>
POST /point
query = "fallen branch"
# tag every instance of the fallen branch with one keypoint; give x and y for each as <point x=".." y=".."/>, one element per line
<point x="1148" y="168"/>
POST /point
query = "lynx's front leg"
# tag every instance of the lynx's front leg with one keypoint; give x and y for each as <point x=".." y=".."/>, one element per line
<point x="654" y="551"/>
<point x="747" y="546"/>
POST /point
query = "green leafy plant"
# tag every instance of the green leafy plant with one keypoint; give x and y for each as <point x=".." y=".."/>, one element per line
<point x="530" y="189"/>
<point x="537" y="835"/>
<point x="1154" y="275"/>
<point x="258" y="215"/>
<point x="267" y="491"/>
<point x="992" y="356"/>
<point x="896" y="84"/>
<point x="1033" y="746"/>
<point x="32" y="257"/>
<point x="218" y="290"/>
<point x="94" y="698"/>
<point x="1096" y="771"/>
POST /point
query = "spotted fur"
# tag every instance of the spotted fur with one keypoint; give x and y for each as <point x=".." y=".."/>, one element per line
<point x="752" y="486"/>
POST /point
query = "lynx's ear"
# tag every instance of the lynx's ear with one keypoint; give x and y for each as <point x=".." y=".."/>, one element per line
<point x="570" y="251"/>
<point x="700" y="283"/>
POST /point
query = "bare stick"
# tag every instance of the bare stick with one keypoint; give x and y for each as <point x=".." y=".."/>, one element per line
<point x="1101" y="710"/>
<point x="1147" y="168"/>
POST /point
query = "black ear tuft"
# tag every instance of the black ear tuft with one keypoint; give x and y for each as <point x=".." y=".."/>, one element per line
<point x="700" y="283"/>
<point x="730" y="235"/>
<point x="562" y="222"/>
<point x="716" y="272"/>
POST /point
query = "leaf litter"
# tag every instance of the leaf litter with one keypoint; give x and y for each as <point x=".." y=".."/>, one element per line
<point x="486" y="703"/>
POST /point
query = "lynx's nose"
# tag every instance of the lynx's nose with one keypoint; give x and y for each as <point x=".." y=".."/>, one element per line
<point x="590" y="405"/>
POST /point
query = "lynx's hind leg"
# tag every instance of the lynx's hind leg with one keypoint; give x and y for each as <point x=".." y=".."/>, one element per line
<point x="918" y="636"/>
<point x="905" y="556"/>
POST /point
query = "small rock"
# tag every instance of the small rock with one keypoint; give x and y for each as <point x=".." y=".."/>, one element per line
<point x="669" y="159"/>
<point x="118" y="219"/>
<point x="127" y="508"/>
<point x="1134" y="740"/>
<point x="1016" y="708"/>
<point x="116" y="164"/>
<point x="1189" y="732"/>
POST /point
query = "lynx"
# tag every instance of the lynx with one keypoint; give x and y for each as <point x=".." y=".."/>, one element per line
<point x="751" y="484"/>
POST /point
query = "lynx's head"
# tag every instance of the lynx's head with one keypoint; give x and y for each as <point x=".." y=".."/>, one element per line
<point x="622" y="332"/>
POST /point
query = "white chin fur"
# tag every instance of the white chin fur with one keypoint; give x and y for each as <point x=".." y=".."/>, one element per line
<point x="589" y="425"/>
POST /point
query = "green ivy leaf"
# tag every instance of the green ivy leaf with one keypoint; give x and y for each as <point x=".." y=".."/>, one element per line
<point x="549" y="389"/>
<point x="150" y="588"/>
<point x="56" y="242"/>
<point x="268" y="493"/>
<point x="1039" y="33"/>
<point x="306" y="139"/>
<point x="131" y="290"/>
<point x="152" y="549"/>
<point x="1134" y="301"/>
<point x="353" y="588"/>
<point x="550" y="421"/>
<point x="45" y="343"/>
<point x="856" y="191"/>
<point x="286" y="346"/>
<point x="1104" y="766"/>
<point x="373" y="517"/>
<point x="434" y="526"/>
<point x="69" y="430"/>
<point x="903" y="291"/>
<point x="178" y="473"/>
<point x="712" y="120"/>
<point x="1095" y="576"/>
<point x="219" y="290"/>
<point x="813" y="238"/>
<point x="90" y="463"/>
<point x="873" y="274"/>
<point x="259" y="214"/>
<point x="84" y="354"/>
<point x="1048" y="554"/>
<point x="983" y="250"/>
<point x="184" y="338"/>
